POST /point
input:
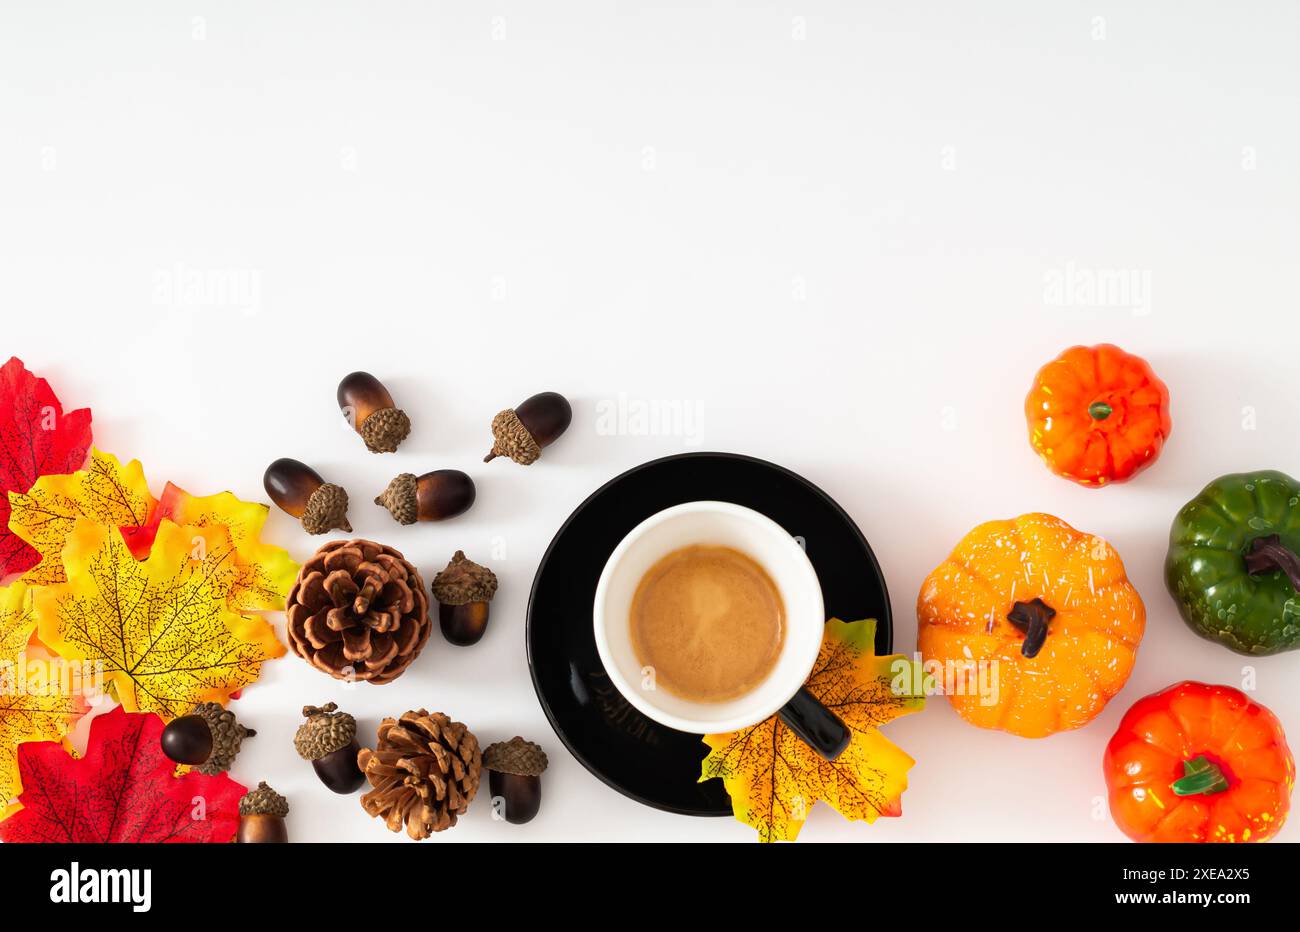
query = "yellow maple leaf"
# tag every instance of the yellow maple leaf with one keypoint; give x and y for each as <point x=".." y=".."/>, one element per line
<point x="774" y="779"/>
<point x="28" y="711"/>
<point x="105" y="491"/>
<point x="264" y="572"/>
<point x="160" y="628"/>
<point x="118" y="496"/>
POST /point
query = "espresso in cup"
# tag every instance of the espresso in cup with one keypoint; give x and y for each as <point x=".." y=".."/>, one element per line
<point x="709" y="622"/>
<point x="724" y="607"/>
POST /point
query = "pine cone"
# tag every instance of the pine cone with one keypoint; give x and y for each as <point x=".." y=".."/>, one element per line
<point x="425" y="773"/>
<point x="358" y="611"/>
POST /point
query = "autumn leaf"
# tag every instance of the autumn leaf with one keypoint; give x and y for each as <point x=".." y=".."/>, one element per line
<point x="265" y="572"/>
<point x="123" y="790"/>
<point x="36" y="439"/>
<point x="161" y="628"/>
<point x="118" y="496"/>
<point x="774" y="779"/>
<point x="105" y="491"/>
<point x="30" y="709"/>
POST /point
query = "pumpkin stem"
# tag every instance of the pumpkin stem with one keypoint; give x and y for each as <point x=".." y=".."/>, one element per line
<point x="1268" y="554"/>
<point x="1200" y="776"/>
<point x="1100" y="410"/>
<point x="1032" y="618"/>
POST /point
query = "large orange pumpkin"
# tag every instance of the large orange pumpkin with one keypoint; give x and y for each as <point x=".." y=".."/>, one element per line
<point x="1032" y="625"/>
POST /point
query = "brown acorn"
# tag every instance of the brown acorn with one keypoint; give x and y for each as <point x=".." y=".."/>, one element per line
<point x="463" y="591"/>
<point x="515" y="769"/>
<point x="435" y="496"/>
<point x="261" y="817"/>
<point x="521" y="432"/>
<point x="329" y="740"/>
<point x="300" y="491"/>
<point x="207" y="739"/>
<point x="370" y="410"/>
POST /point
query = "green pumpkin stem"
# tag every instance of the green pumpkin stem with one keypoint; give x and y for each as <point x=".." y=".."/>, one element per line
<point x="1100" y="410"/>
<point x="1200" y="776"/>
<point x="1269" y="554"/>
<point x="1032" y="618"/>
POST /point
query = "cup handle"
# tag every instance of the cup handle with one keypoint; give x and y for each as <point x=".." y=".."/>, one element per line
<point x="817" y="726"/>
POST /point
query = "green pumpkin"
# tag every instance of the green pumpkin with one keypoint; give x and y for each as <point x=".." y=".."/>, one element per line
<point x="1233" y="567"/>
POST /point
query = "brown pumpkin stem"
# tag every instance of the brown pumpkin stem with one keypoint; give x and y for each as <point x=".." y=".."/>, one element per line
<point x="1032" y="618"/>
<point x="1269" y="554"/>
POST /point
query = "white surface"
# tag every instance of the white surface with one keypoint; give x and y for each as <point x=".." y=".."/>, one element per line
<point x="716" y="524"/>
<point x="830" y="233"/>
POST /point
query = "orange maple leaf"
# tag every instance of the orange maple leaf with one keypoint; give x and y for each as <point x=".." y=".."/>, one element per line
<point x="774" y="779"/>
<point x="262" y="573"/>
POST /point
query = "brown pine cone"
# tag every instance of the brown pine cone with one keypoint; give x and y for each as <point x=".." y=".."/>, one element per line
<point x="358" y="611"/>
<point x="425" y="773"/>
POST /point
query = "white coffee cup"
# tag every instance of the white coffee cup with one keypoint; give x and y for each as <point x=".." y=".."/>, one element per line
<point x="726" y="525"/>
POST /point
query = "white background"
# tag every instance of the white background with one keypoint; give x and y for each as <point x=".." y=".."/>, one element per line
<point x="831" y="229"/>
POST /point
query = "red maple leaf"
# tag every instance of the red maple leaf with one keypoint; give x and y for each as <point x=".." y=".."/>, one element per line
<point x="36" y="439"/>
<point x="123" y="790"/>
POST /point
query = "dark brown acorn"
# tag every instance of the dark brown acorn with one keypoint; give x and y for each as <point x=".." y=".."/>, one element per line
<point x="300" y="491"/>
<point x="370" y="410"/>
<point x="514" y="780"/>
<point x="208" y="738"/>
<point x="329" y="740"/>
<point x="435" y="496"/>
<point x="463" y="591"/>
<point x="187" y="740"/>
<point x="521" y="432"/>
<point x="261" y="817"/>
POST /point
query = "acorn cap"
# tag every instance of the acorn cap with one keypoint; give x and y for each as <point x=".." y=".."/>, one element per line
<point x="227" y="735"/>
<point x="516" y="756"/>
<point x="384" y="429"/>
<point x="263" y="801"/>
<point x="464" y="581"/>
<point x="399" y="498"/>
<point x="512" y="439"/>
<point x="327" y="509"/>
<point x="324" y="732"/>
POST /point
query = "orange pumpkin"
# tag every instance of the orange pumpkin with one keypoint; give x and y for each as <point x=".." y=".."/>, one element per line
<point x="1199" y="763"/>
<point x="1031" y="625"/>
<point x="1097" y="415"/>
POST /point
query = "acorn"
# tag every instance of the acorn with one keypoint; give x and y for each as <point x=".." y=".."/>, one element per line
<point x="207" y="739"/>
<point x="300" y="491"/>
<point x="370" y="410"/>
<point x="435" y="496"/>
<point x="329" y="740"/>
<point x="261" y="817"/>
<point x="521" y="433"/>
<point x="515" y="778"/>
<point x="463" y="591"/>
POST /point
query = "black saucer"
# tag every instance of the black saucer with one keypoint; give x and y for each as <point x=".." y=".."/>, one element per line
<point x="640" y="758"/>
